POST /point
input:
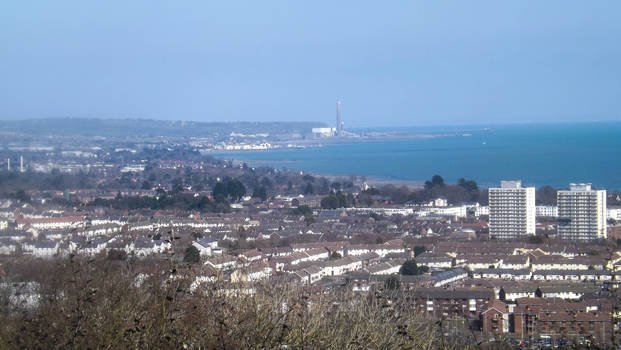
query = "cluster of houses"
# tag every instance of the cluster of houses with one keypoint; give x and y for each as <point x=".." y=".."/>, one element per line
<point x="521" y="291"/>
<point x="310" y="262"/>
<point x="45" y="236"/>
<point x="46" y="233"/>
<point x="507" y="286"/>
<point x="586" y="321"/>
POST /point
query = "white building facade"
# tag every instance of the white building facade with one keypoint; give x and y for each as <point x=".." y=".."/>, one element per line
<point x="581" y="213"/>
<point x="511" y="210"/>
<point x="547" y="210"/>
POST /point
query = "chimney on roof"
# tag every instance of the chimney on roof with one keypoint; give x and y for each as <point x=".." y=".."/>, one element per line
<point x="411" y="253"/>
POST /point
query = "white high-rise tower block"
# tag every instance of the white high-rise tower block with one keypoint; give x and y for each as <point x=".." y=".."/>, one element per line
<point x="581" y="213"/>
<point x="511" y="210"/>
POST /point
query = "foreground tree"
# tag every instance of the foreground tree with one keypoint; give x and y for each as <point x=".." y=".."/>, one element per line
<point x="309" y="189"/>
<point x="89" y="304"/>
<point x="419" y="250"/>
<point x="392" y="283"/>
<point x="192" y="255"/>
<point x="260" y="192"/>
<point x="410" y="268"/>
<point x="545" y="195"/>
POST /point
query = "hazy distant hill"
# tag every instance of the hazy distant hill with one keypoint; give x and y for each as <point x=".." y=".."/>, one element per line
<point x="149" y="128"/>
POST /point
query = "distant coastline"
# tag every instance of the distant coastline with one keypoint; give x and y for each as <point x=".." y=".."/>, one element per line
<point x="538" y="154"/>
<point x="322" y="142"/>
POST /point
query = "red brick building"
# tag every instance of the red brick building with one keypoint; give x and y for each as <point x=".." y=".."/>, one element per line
<point x="495" y="318"/>
<point x="461" y="302"/>
<point x="589" y="319"/>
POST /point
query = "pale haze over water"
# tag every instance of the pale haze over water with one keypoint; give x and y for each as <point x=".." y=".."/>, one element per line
<point x="539" y="154"/>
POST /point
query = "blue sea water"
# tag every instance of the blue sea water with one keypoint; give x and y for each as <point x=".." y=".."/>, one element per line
<point x="538" y="154"/>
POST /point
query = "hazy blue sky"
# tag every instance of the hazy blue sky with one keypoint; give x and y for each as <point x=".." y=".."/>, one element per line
<point x="392" y="62"/>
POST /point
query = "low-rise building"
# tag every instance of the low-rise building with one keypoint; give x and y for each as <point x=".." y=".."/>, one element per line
<point x="439" y="302"/>
<point x="514" y="292"/>
<point x="515" y="262"/>
<point x="41" y="249"/>
<point x="255" y="272"/>
<point x="435" y="261"/>
<point x="572" y="291"/>
<point x="205" y="245"/>
<point x="482" y="262"/>
<point x="385" y="268"/>
<point x="223" y="262"/>
<point x="450" y="276"/>
<point x="495" y="318"/>
<point x="505" y="274"/>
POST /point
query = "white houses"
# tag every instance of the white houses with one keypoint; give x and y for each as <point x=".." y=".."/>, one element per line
<point x="309" y="275"/>
<point x="437" y="261"/>
<point x="252" y="273"/>
<point x="222" y="262"/>
<point x="557" y="262"/>
<point x="251" y="255"/>
<point x="100" y="230"/>
<point x="482" y="262"/>
<point x="385" y="268"/>
<point x="145" y="246"/>
<point x="567" y="292"/>
<point x="341" y="266"/>
<point x="505" y="274"/>
<point x="512" y="293"/>
<point x="205" y="245"/>
<point x="49" y="223"/>
<point x="41" y="249"/>
<point x="515" y="262"/>
<point x="8" y="247"/>
<point x="450" y="276"/>
<point x="380" y="249"/>
<point x="95" y="246"/>
<point x="572" y="275"/>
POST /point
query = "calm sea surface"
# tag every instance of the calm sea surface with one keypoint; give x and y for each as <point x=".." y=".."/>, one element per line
<point x="538" y="154"/>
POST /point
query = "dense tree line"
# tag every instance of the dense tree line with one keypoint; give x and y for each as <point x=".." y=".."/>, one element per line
<point x="614" y="198"/>
<point x="463" y="191"/>
<point x="545" y="195"/>
<point x="229" y="188"/>
<point x="337" y="200"/>
<point x="166" y="201"/>
<point x="19" y="195"/>
<point x="261" y="182"/>
<point x="260" y="192"/>
<point x="302" y="210"/>
<point x="410" y="268"/>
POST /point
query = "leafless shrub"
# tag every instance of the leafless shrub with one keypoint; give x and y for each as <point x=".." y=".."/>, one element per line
<point x="99" y="304"/>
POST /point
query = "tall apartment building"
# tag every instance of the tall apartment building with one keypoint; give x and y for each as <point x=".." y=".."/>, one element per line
<point x="511" y="210"/>
<point x="581" y="213"/>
